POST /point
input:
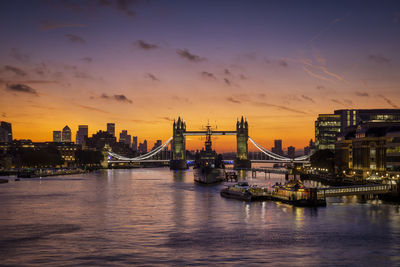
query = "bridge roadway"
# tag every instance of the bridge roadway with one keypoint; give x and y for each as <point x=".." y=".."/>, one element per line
<point x="212" y="132"/>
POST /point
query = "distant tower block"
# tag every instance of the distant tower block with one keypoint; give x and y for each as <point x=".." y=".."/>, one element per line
<point x="178" y="161"/>
<point x="242" y="136"/>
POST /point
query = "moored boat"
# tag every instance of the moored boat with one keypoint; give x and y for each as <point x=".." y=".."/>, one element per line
<point x="295" y="193"/>
<point x="243" y="191"/>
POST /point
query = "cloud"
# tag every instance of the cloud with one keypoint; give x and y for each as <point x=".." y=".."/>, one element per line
<point x="167" y="118"/>
<point x="265" y="104"/>
<point x="75" y="39"/>
<point x="332" y="23"/>
<point x="314" y="75"/>
<point x="123" y="6"/>
<point x="120" y="98"/>
<point x="4" y="115"/>
<point x="208" y="75"/>
<point x="361" y="94"/>
<point x="242" y="77"/>
<point x="15" y="70"/>
<point x="378" y="59"/>
<point x="91" y="108"/>
<point x="231" y="99"/>
<point x="145" y="45"/>
<point x="51" y="25"/>
<point x="184" y="53"/>
<point x="227" y="82"/>
<point x="283" y="63"/>
<point x="346" y="102"/>
<point x="320" y="87"/>
<point x="151" y="76"/>
<point x="388" y="101"/>
<point x="308" y="98"/>
<point x="18" y="55"/>
<point x="227" y="72"/>
<point x="87" y="59"/>
<point x="21" y="88"/>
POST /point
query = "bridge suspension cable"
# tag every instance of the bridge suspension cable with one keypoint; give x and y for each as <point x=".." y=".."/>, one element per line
<point x="144" y="156"/>
<point x="276" y="156"/>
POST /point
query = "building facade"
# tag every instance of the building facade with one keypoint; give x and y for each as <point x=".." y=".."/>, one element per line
<point x="277" y="149"/>
<point x="327" y="128"/>
<point x="111" y="128"/>
<point x="66" y="135"/>
<point x="57" y="136"/>
<point x="81" y="134"/>
<point x="5" y="132"/>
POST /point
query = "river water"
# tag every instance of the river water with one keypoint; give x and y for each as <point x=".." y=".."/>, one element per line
<point x="148" y="217"/>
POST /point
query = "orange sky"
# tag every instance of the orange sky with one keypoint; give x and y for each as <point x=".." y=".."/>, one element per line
<point x="62" y="67"/>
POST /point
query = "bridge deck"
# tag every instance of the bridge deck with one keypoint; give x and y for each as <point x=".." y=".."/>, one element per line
<point x="354" y="190"/>
<point x="212" y="133"/>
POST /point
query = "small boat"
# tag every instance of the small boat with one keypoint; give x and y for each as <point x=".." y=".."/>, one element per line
<point x="243" y="191"/>
<point x="296" y="194"/>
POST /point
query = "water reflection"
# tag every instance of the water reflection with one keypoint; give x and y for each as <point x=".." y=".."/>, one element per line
<point x="161" y="217"/>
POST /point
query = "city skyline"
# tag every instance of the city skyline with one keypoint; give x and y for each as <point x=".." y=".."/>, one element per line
<point x="144" y="64"/>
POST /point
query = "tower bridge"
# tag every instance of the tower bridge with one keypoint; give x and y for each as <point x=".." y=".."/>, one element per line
<point x="178" y="147"/>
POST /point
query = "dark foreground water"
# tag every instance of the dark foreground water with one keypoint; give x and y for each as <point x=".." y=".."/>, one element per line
<point x="158" y="217"/>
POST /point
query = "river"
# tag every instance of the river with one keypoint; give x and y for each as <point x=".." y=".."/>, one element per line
<point x="148" y="217"/>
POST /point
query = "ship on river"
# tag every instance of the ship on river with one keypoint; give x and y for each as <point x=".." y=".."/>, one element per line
<point x="208" y="166"/>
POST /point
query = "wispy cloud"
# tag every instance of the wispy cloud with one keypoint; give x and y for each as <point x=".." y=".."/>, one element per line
<point x="87" y="59"/>
<point x="51" y="25"/>
<point x="145" y="45"/>
<point x="308" y="98"/>
<point x="75" y="39"/>
<point x="283" y="63"/>
<point x="208" y="75"/>
<point x="91" y="108"/>
<point x="18" y="55"/>
<point x="15" y="70"/>
<point x="364" y="94"/>
<point x="233" y="100"/>
<point x="387" y="100"/>
<point x="123" y="6"/>
<point x="378" y="59"/>
<point x="324" y="30"/>
<point x="151" y="76"/>
<point x="314" y="75"/>
<point x="320" y="87"/>
<point x="184" y="53"/>
<point x="120" y="98"/>
<point x="21" y="88"/>
<point x="227" y="82"/>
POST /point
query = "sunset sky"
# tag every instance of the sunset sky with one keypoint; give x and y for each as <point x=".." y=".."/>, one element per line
<point x="141" y="64"/>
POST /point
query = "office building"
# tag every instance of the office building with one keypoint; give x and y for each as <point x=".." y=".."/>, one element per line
<point x="81" y="134"/>
<point x="134" y="143"/>
<point x="5" y="132"/>
<point x="111" y="128"/>
<point x="277" y="149"/>
<point x="143" y="147"/>
<point x="57" y="136"/>
<point x="291" y="152"/>
<point x="125" y="138"/>
<point x="370" y="148"/>
<point x="327" y="128"/>
<point x="66" y="135"/>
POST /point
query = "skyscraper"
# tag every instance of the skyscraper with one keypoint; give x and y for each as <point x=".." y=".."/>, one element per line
<point x="277" y="149"/>
<point x="134" y="143"/>
<point x="124" y="137"/>
<point x="5" y="132"/>
<point x="111" y="128"/>
<point x="327" y="128"/>
<point x="291" y="151"/>
<point x="57" y="136"/>
<point x="83" y="131"/>
<point x="66" y="134"/>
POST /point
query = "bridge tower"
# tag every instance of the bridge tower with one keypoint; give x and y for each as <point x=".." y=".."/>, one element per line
<point x="242" y="136"/>
<point x="178" y="161"/>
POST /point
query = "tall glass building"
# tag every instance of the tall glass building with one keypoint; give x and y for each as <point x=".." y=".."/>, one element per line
<point x="327" y="128"/>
